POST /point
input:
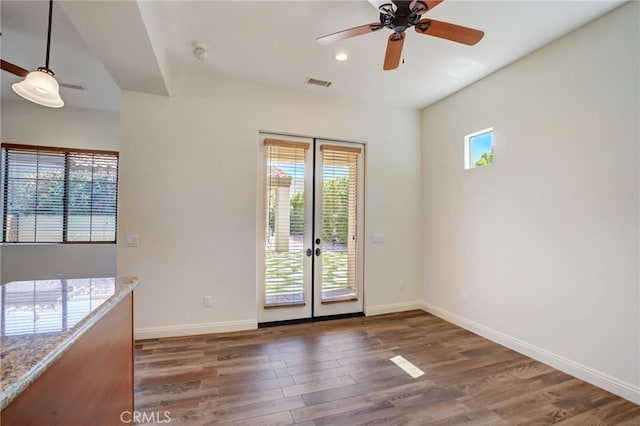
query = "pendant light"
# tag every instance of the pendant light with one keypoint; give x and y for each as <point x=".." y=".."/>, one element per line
<point x="40" y="86"/>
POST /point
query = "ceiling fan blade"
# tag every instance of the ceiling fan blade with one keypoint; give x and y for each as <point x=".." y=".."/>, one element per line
<point x="429" y="3"/>
<point x="448" y="31"/>
<point x="394" y="51"/>
<point x="351" y="32"/>
<point x="13" y="69"/>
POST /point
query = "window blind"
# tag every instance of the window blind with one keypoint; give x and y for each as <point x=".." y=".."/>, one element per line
<point x="53" y="195"/>
<point x="285" y="206"/>
<point x="340" y="175"/>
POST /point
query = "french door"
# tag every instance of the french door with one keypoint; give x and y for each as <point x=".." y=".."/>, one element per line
<point x="312" y="229"/>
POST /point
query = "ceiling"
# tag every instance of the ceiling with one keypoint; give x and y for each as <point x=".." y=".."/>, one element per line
<point x="146" y="46"/>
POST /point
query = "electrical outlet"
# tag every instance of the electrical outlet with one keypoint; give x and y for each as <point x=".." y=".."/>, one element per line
<point x="401" y="285"/>
<point x="465" y="298"/>
<point x="208" y="302"/>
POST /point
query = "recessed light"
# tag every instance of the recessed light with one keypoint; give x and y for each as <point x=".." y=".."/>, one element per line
<point x="341" y="57"/>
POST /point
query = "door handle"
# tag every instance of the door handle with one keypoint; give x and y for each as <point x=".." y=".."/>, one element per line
<point x="309" y="252"/>
<point x="318" y="251"/>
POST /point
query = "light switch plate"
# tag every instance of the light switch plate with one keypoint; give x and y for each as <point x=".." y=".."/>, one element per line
<point x="379" y="238"/>
<point x="132" y="240"/>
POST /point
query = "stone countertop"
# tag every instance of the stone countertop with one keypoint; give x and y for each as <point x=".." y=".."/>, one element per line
<point x="38" y="324"/>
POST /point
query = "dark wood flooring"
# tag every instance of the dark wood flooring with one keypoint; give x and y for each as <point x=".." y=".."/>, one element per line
<point x="339" y="373"/>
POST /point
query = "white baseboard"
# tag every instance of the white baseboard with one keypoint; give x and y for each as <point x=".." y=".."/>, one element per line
<point x="193" y="329"/>
<point x="391" y="308"/>
<point x="612" y="384"/>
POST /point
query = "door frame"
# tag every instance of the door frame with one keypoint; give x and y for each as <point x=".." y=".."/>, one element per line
<point x="346" y="306"/>
<point x="297" y="314"/>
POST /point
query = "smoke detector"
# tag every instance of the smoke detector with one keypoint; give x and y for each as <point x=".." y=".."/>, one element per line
<point x="200" y="50"/>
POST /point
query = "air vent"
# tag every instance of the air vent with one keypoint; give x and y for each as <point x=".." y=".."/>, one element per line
<point x="317" y="82"/>
<point x="72" y="86"/>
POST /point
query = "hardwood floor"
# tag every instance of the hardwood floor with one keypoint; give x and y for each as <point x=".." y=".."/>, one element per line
<point x="339" y="373"/>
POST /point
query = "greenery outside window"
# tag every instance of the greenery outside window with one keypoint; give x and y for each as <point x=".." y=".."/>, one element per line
<point x="58" y="195"/>
<point x="478" y="149"/>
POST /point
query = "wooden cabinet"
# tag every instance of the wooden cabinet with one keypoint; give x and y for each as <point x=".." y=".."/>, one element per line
<point x="91" y="384"/>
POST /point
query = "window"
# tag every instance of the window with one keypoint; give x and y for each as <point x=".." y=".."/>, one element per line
<point x="478" y="149"/>
<point x="56" y="195"/>
<point x="285" y="199"/>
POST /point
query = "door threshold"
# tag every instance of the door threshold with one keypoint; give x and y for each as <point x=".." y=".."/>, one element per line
<point x="310" y="319"/>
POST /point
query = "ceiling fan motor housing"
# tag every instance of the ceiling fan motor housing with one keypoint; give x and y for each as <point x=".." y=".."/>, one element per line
<point x="403" y="17"/>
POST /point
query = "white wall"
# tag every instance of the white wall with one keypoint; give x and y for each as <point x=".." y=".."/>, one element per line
<point x="546" y="240"/>
<point x="26" y="123"/>
<point x="30" y="124"/>
<point x="39" y="262"/>
<point x="189" y="189"/>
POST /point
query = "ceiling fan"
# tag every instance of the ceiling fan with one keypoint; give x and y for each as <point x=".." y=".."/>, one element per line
<point x="401" y="15"/>
<point x="22" y="72"/>
<point x="13" y="69"/>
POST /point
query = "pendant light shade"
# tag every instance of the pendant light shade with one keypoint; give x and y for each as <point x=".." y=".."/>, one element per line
<point x="40" y="86"/>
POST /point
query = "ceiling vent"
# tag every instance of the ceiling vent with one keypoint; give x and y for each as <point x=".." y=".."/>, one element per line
<point x="317" y="82"/>
<point x="72" y="86"/>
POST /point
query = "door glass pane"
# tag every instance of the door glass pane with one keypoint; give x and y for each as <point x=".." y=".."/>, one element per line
<point x="339" y="224"/>
<point x="284" y="251"/>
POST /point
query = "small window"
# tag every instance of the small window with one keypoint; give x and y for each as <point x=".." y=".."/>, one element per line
<point x="55" y="195"/>
<point x="478" y="149"/>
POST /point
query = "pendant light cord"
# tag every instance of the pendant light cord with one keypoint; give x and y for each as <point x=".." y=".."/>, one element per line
<point x="49" y="34"/>
<point x="40" y="86"/>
